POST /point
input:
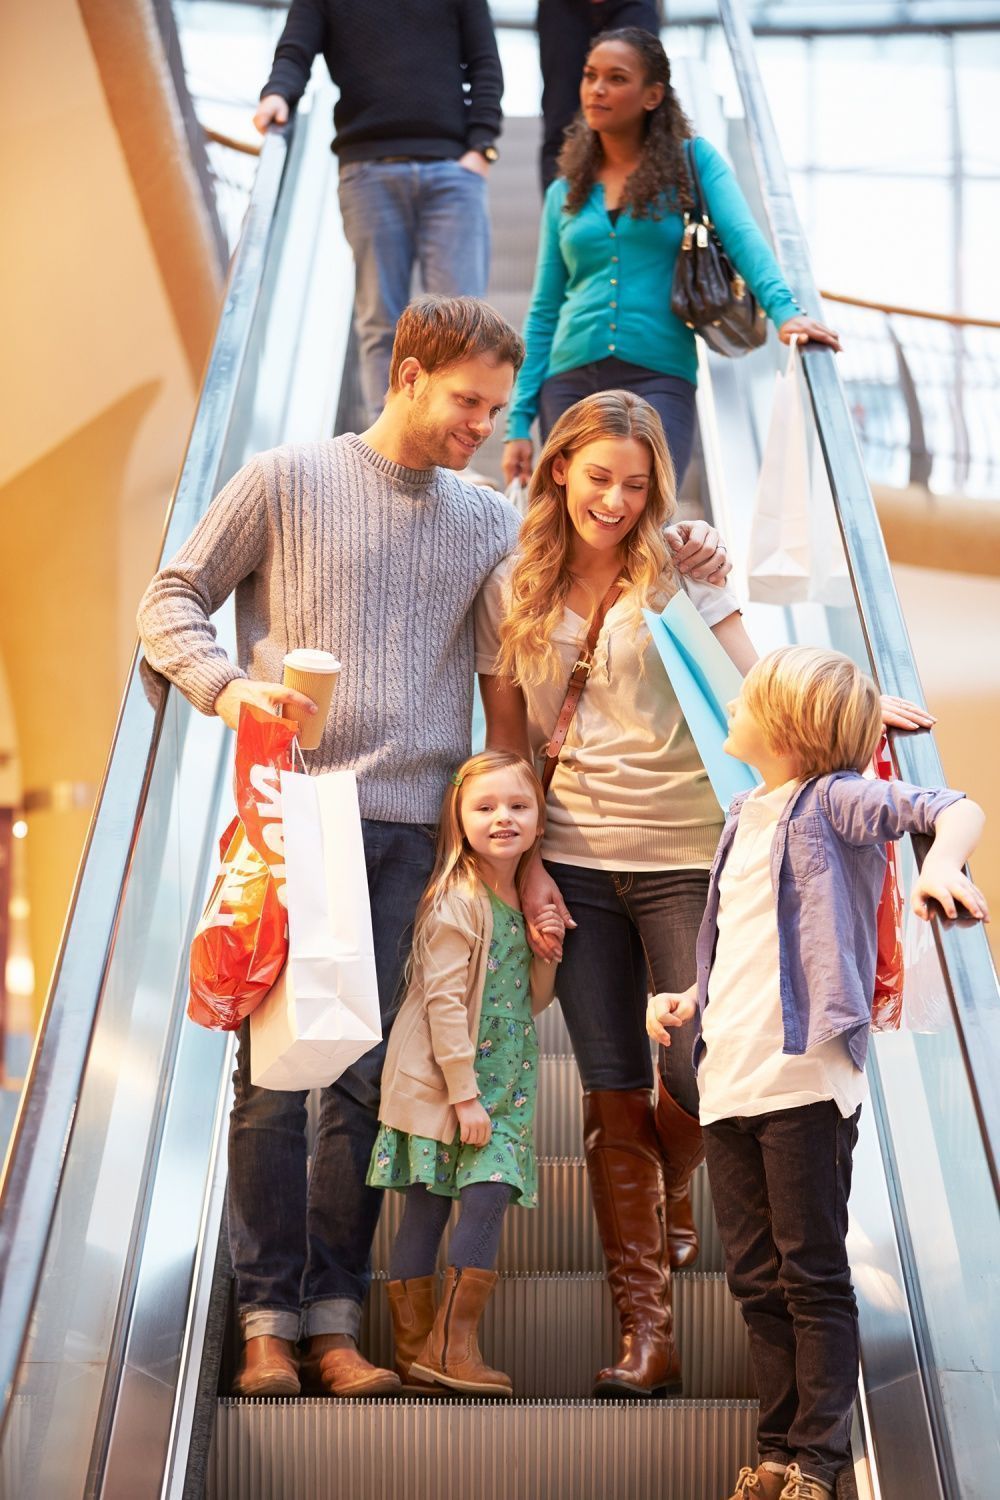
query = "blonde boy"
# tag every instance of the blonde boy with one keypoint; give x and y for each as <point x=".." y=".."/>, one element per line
<point x="786" y="956"/>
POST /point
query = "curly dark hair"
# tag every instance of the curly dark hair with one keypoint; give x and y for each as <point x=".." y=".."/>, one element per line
<point x="661" y="166"/>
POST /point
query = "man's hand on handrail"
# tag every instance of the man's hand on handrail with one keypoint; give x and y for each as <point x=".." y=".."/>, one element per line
<point x="272" y="110"/>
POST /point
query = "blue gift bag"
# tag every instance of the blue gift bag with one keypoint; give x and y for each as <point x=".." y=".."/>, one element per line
<point x="704" y="680"/>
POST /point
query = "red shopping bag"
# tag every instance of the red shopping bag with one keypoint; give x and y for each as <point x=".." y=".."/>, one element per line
<point x="887" y="1003"/>
<point x="241" y="943"/>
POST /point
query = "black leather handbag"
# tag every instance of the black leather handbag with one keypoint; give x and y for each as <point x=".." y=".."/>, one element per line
<point x="708" y="294"/>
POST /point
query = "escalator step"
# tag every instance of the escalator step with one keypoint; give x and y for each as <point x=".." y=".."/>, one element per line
<point x="553" y="1038"/>
<point x="561" y="1233"/>
<point x="559" y="1115"/>
<point x="449" y="1450"/>
<point x="553" y="1333"/>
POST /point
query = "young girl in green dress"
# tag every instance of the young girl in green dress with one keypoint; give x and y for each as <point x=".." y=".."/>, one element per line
<point x="458" y="1088"/>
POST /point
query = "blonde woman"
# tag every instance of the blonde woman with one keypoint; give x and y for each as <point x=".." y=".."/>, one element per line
<point x="631" y="830"/>
<point x="632" y="826"/>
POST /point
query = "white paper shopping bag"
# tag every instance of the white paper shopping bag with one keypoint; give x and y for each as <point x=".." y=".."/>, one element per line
<point x="795" y="554"/>
<point x="323" y="1012"/>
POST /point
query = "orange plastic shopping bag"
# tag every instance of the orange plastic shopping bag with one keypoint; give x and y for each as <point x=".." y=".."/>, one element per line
<point x="241" y="943"/>
<point x="887" y="1003"/>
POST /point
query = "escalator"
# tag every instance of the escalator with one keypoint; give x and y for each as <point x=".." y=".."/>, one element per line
<point x="116" y="1332"/>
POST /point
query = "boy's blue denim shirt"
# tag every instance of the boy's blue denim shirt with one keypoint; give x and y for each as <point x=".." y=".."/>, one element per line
<point x="827" y="868"/>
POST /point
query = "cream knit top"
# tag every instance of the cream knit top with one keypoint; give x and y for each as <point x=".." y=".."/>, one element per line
<point x="630" y="791"/>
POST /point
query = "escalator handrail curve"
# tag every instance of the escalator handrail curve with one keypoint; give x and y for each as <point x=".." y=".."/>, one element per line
<point x="39" y="1143"/>
<point x="968" y="971"/>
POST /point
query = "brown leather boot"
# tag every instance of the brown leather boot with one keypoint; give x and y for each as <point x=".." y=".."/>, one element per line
<point x="334" y="1366"/>
<point x="681" y="1150"/>
<point x="451" y="1354"/>
<point x="268" y="1367"/>
<point x="626" y="1182"/>
<point x="412" y="1306"/>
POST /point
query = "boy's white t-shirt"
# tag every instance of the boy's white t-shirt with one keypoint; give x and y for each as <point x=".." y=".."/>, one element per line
<point x="743" y="1070"/>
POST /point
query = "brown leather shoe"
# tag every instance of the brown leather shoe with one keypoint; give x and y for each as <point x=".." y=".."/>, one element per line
<point x="412" y="1305"/>
<point x="268" y="1367"/>
<point x="763" y="1483"/>
<point x="333" y="1365"/>
<point x="451" y="1354"/>
<point x="626" y="1183"/>
<point x="681" y="1151"/>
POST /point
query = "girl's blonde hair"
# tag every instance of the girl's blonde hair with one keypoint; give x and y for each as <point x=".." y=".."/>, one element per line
<point x="455" y="863"/>
<point x="815" y="706"/>
<point x="541" y="580"/>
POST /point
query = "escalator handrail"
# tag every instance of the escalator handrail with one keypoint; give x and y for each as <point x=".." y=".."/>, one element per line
<point x="43" y="1128"/>
<point x="967" y="967"/>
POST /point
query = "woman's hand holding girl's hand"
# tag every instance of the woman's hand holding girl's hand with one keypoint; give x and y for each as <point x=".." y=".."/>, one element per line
<point x="549" y="924"/>
<point x="669" y="1011"/>
<point x="944" y="881"/>
<point x="808" y="328"/>
<point x="900" y="713"/>
<point x="516" y="461"/>
<point x="473" y="1123"/>
<point x="539" y="893"/>
<point x="699" y="551"/>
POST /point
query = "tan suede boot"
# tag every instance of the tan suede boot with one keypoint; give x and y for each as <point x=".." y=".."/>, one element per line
<point x="334" y="1365"/>
<point x="681" y="1151"/>
<point x="268" y="1367"/>
<point x="412" y="1306"/>
<point x="451" y="1354"/>
<point x="626" y="1183"/>
<point x="763" y="1483"/>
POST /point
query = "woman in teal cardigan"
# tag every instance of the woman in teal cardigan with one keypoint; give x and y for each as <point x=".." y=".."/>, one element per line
<point x="611" y="230"/>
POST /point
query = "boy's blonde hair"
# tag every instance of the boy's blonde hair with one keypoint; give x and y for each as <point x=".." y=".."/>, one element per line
<point x="815" y="706"/>
<point x="455" y="862"/>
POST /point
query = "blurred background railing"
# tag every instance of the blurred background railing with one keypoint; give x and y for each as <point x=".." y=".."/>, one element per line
<point x="924" y="388"/>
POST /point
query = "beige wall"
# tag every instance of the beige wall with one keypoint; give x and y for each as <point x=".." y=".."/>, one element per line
<point x="954" y="625"/>
<point x="96" y="397"/>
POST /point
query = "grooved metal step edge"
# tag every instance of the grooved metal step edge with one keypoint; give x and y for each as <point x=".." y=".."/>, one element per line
<point x="553" y="1038"/>
<point x="561" y="1233"/>
<point x="552" y="1334"/>
<point x="559" y="1112"/>
<point x="444" y="1450"/>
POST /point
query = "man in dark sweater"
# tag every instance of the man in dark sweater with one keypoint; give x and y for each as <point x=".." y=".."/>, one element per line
<point x="416" y="126"/>
<point x="566" y="30"/>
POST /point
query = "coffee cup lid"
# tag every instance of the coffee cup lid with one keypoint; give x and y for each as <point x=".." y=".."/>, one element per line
<point x="305" y="660"/>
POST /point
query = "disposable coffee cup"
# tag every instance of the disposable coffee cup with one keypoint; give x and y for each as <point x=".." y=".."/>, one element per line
<point x="313" y="673"/>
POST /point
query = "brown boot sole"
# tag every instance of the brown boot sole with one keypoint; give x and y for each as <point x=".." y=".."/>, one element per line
<point x="268" y="1385"/>
<point x="615" y="1388"/>
<point x="467" y="1387"/>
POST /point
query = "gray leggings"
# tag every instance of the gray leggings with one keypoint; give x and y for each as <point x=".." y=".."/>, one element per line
<point x="475" y="1242"/>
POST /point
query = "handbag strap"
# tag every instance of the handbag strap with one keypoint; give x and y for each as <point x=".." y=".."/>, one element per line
<point x="577" y="683"/>
<point x="697" y="192"/>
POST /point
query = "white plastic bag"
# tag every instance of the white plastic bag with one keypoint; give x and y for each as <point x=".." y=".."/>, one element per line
<point x="517" y="493"/>
<point x="795" y="554"/>
<point x="322" y="1014"/>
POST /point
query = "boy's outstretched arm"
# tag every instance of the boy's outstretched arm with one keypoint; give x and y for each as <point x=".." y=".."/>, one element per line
<point x="956" y="833"/>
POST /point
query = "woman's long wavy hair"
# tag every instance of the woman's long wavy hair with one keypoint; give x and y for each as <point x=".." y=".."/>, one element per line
<point x="662" y="169"/>
<point x="455" y="862"/>
<point x="541" y="580"/>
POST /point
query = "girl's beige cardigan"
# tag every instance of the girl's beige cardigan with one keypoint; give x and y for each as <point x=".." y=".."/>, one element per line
<point x="430" y="1061"/>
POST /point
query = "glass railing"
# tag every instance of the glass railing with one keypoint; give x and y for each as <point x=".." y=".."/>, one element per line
<point x="936" y="1083"/>
<point x="117" y="1079"/>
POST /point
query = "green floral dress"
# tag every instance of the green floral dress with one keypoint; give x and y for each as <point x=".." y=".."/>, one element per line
<point x="507" y="1076"/>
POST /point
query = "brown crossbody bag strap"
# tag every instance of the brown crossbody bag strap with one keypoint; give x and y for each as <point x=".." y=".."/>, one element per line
<point x="577" y="683"/>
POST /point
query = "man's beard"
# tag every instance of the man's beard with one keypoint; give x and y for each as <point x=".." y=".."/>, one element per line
<point x="433" y="442"/>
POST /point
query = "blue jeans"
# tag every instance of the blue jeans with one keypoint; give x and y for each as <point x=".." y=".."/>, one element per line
<point x="670" y="396"/>
<point x="398" y="215"/>
<point x="636" y="930"/>
<point x="780" y="1185"/>
<point x="301" y="1248"/>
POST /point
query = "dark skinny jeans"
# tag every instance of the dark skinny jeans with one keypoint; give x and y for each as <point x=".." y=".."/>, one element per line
<point x="780" y="1185"/>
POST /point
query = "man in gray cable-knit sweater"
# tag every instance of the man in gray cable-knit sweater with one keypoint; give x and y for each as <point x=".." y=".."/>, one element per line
<point x="374" y="549"/>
